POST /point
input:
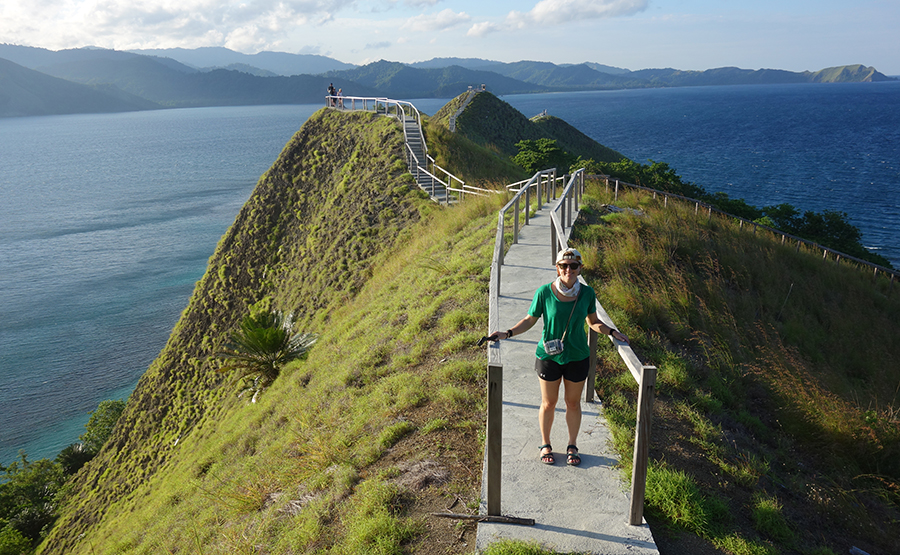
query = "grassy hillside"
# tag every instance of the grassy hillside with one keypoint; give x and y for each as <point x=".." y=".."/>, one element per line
<point x="334" y="233"/>
<point x="776" y="426"/>
<point x="497" y="126"/>
<point x="847" y="74"/>
<point x="775" y="430"/>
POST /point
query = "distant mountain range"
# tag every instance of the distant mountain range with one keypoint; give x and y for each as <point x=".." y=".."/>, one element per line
<point x="99" y="80"/>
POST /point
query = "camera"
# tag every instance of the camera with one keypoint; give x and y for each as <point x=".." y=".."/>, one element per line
<point x="553" y="347"/>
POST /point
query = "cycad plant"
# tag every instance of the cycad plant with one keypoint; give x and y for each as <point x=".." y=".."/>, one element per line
<point x="258" y="350"/>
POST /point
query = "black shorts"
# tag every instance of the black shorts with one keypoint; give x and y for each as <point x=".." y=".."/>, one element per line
<point x="574" y="371"/>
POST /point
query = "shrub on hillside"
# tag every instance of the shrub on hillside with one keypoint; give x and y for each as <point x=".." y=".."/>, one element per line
<point x="263" y="344"/>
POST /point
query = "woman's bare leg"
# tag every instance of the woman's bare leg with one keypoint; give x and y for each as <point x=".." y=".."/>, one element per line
<point x="573" y="408"/>
<point x="547" y="410"/>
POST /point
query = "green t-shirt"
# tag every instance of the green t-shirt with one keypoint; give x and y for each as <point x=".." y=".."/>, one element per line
<point x="555" y="314"/>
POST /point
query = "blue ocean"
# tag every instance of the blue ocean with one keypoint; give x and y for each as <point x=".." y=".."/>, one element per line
<point x="108" y="221"/>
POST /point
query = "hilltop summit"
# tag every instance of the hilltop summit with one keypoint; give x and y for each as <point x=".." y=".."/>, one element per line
<point x="489" y="121"/>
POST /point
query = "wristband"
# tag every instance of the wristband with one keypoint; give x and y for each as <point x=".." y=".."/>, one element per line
<point x="508" y="333"/>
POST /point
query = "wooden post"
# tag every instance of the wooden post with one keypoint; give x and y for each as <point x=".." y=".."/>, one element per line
<point x="538" y="196"/>
<point x="646" y="395"/>
<point x="553" y="244"/>
<point x="527" y="203"/>
<point x="551" y="189"/>
<point x="563" y="207"/>
<point x="580" y="194"/>
<point x="592" y="368"/>
<point x="516" y="222"/>
<point x="494" y="439"/>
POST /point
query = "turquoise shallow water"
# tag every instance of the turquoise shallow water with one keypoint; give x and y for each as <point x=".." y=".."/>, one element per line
<point x="106" y="224"/>
<point x="108" y="221"/>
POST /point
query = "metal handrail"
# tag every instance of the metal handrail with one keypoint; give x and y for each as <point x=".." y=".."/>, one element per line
<point x="450" y="176"/>
<point x="561" y="217"/>
<point x="400" y="109"/>
<point x="493" y="440"/>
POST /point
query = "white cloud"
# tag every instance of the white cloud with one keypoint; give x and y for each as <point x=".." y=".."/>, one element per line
<point x="244" y="25"/>
<point x="482" y="29"/>
<point x="436" y="22"/>
<point x="564" y="11"/>
<point x="379" y="45"/>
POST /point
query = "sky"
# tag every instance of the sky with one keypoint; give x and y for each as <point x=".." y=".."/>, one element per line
<point x="794" y="35"/>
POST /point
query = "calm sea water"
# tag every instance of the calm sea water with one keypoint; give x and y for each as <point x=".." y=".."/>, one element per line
<point x="817" y="147"/>
<point x="108" y="221"/>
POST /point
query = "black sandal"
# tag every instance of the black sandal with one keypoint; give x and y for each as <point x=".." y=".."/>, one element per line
<point x="572" y="459"/>
<point x="547" y="458"/>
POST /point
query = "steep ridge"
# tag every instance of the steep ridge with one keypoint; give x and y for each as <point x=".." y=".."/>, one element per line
<point x="350" y="450"/>
<point x="338" y="194"/>
<point x="490" y="122"/>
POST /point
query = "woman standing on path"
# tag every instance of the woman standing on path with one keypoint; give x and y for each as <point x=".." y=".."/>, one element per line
<point x="563" y="305"/>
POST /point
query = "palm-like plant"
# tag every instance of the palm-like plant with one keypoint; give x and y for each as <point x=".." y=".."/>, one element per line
<point x="258" y="350"/>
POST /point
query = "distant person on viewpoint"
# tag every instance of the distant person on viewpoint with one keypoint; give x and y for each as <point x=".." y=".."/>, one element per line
<point x="330" y="94"/>
<point x="563" y="305"/>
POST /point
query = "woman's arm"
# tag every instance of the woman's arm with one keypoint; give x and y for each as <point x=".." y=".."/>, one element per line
<point x="596" y="324"/>
<point x="522" y="326"/>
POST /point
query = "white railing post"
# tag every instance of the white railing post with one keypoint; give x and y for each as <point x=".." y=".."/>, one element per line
<point x="640" y="460"/>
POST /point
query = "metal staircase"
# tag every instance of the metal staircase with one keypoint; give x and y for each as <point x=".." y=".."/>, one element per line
<point x="418" y="163"/>
<point x="443" y="191"/>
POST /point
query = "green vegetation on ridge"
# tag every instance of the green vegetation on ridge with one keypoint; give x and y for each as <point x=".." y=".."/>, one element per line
<point x="775" y="427"/>
<point x="829" y="228"/>
<point x="772" y="423"/>
<point x="494" y="124"/>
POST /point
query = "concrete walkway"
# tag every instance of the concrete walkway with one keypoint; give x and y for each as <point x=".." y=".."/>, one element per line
<point x="581" y="509"/>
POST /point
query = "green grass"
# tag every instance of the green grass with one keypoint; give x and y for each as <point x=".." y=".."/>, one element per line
<point x="327" y="419"/>
<point x="676" y="496"/>
<point x="518" y="547"/>
<point x="304" y="467"/>
<point x="766" y="405"/>
<point x="762" y="397"/>
<point x="769" y="520"/>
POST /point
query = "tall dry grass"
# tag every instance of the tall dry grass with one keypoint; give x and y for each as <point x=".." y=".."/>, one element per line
<point x="753" y="335"/>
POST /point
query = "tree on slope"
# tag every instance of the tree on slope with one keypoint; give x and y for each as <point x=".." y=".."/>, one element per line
<point x="260" y="348"/>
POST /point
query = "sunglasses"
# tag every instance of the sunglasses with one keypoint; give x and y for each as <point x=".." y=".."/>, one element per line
<point x="574" y="266"/>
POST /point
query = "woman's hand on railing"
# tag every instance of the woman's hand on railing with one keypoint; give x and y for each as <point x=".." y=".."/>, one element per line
<point x="616" y="334"/>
